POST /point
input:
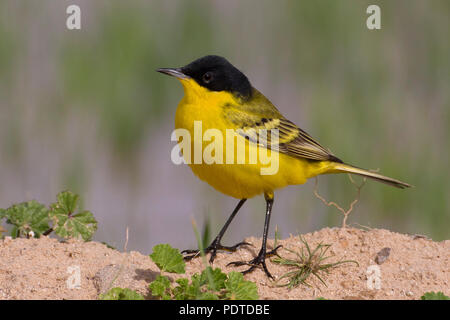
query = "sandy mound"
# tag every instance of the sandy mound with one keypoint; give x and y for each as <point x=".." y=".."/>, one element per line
<point x="47" y="269"/>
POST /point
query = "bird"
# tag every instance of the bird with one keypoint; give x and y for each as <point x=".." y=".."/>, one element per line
<point x="221" y="98"/>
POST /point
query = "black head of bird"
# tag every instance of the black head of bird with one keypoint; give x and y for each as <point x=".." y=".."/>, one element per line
<point x="214" y="73"/>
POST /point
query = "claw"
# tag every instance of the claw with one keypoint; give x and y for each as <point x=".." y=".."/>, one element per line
<point x="256" y="262"/>
<point x="274" y="251"/>
<point x="189" y="251"/>
<point x="192" y="256"/>
<point x="235" y="247"/>
<point x="213" y="248"/>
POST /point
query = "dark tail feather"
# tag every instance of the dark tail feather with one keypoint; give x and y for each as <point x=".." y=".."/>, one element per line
<point x="341" y="167"/>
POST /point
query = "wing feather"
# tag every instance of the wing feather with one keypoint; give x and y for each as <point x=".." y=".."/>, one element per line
<point x="256" y="118"/>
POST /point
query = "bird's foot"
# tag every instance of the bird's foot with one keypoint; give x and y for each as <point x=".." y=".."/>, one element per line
<point x="212" y="249"/>
<point x="260" y="260"/>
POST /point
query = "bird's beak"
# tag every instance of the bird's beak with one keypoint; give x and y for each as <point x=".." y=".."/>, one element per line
<point x="177" y="73"/>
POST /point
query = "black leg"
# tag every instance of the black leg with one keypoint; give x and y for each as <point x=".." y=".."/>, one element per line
<point x="261" y="257"/>
<point x="216" y="245"/>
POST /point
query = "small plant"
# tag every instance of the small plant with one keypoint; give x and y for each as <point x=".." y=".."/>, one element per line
<point x="167" y="258"/>
<point x="206" y="232"/>
<point x="306" y="264"/>
<point x="27" y="218"/>
<point x="67" y="223"/>
<point x="33" y="219"/>
<point x="121" y="294"/>
<point x="277" y="237"/>
<point x="434" y="296"/>
<point x="210" y="284"/>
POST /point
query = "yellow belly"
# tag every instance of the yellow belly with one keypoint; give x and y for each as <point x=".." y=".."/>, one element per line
<point x="245" y="180"/>
<point x="240" y="180"/>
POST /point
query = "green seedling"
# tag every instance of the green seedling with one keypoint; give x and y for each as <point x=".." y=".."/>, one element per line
<point x="168" y="259"/>
<point x="206" y="232"/>
<point x="67" y="223"/>
<point x="27" y="218"/>
<point x="201" y="247"/>
<point x="33" y="219"/>
<point x="121" y="294"/>
<point x="306" y="263"/>
<point x="276" y="238"/>
<point x="434" y="296"/>
<point x="210" y="284"/>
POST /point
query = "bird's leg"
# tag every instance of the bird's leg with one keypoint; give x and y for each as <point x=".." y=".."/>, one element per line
<point x="216" y="245"/>
<point x="260" y="259"/>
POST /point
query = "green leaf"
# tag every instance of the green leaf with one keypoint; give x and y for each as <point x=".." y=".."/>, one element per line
<point x="82" y="225"/>
<point x="168" y="259"/>
<point x="197" y="290"/>
<point x="186" y="291"/>
<point x="180" y="292"/>
<point x="160" y="287"/>
<point x="217" y="277"/>
<point x="26" y="217"/>
<point x="232" y="286"/>
<point x="67" y="202"/>
<point x="183" y="282"/>
<point x="121" y="294"/>
<point x="206" y="234"/>
<point x="194" y="290"/>
<point x="69" y="225"/>
<point x="13" y="232"/>
<point x="207" y="295"/>
<point x="240" y="289"/>
<point x="435" y="296"/>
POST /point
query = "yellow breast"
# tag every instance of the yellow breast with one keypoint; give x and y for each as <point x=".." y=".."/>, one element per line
<point x="236" y="175"/>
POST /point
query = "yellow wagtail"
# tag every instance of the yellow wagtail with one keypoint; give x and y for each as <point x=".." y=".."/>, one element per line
<point x="222" y="98"/>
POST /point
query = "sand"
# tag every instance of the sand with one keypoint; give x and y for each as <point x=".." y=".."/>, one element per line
<point x="46" y="268"/>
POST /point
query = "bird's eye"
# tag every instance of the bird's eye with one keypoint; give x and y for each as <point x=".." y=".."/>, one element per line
<point x="207" y="77"/>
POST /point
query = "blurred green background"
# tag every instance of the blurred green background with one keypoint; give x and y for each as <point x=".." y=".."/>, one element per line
<point x="85" y="110"/>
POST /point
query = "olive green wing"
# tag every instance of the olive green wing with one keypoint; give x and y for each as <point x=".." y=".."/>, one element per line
<point x="260" y="122"/>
